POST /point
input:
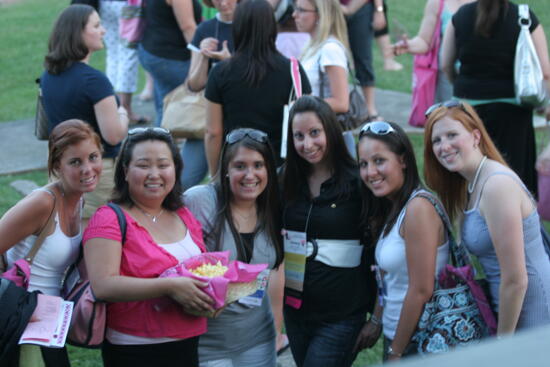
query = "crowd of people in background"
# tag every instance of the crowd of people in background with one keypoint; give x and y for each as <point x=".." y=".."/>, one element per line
<point x="372" y="241"/>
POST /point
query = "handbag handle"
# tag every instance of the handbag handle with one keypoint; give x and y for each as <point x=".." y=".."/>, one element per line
<point x="43" y="233"/>
<point x="459" y="254"/>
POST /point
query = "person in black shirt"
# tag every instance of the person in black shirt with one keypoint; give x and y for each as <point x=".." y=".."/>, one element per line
<point x="251" y="88"/>
<point x="326" y="307"/>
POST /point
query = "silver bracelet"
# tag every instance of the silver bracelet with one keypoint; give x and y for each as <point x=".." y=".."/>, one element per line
<point x="392" y="353"/>
<point x="375" y="320"/>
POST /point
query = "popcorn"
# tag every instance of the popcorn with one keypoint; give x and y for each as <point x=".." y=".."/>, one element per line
<point x="209" y="270"/>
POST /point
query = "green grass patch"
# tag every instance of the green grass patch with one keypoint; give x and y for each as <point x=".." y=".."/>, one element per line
<point x="26" y="25"/>
<point x="8" y="196"/>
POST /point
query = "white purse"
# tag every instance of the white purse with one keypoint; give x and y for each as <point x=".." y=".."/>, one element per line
<point x="528" y="79"/>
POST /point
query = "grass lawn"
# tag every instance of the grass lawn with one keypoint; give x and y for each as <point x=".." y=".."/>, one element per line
<point x="25" y="27"/>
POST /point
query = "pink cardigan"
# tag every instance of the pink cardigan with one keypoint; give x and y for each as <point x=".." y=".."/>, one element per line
<point x="143" y="258"/>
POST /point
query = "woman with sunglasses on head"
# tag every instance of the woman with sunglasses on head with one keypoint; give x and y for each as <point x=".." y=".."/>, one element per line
<point x="72" y="89"/>
<point x="482" y="37"/>
<point x="74" y="165"/>
<point x="499" y="220"/>
<point x="250" y="88"/>
<point x="240" y="212"/>
<point x="160" y="234"/>
<point x="326" y="300"/>
<point x="411" y="244"/>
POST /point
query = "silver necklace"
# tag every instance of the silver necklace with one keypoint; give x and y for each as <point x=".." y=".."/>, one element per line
<point x="153" y="217"/>
<point x="472" y="185"/>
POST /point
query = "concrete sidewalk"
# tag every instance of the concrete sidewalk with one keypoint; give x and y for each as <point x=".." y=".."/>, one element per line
<point x="20" y="151"/>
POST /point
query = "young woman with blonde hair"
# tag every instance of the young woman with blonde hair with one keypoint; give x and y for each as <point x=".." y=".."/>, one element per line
<point x="500" y="223"/>
<point x="327" y="56"/>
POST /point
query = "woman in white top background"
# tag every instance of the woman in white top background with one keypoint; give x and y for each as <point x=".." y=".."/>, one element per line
<point x="327" y="52"/>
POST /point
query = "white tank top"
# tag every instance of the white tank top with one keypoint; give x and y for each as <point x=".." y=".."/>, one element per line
<point x="391" y="258"/>
<point x="57" y="253"/>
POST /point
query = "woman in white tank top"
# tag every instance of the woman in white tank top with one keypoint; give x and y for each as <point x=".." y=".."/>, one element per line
<point x="75" y="162"/>
<point x="411" y="246"/>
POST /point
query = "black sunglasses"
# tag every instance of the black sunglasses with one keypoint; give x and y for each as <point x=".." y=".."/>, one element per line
<point x="377" y="128"/>
<point x="239" y="134"/>
<point x="448" y="104"/>
<point x="141" y="130"/>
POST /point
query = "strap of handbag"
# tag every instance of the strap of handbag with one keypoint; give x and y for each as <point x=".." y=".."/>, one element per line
<point x="121" y="220"/>
<point x="296" y="78"/>
<point x="458" y="253"/>
<point x="43" y="232"/>
<point x="351" y="77"/>
<point x="524" y="19"/>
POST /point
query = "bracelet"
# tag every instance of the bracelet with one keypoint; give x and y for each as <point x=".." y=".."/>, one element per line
<point x="375" y="320"/>
<point x="392" y="353"/>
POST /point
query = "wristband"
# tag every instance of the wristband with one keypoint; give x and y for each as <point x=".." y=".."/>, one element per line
<point x="375" y="320"/>
<point x="392" y="353"/>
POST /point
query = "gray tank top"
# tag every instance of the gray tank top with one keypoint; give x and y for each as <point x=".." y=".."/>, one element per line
<point x="475" y="236"/>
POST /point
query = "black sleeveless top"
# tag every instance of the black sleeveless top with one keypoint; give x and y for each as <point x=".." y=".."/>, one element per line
<point x="163" y="36"/>
<point x="486" y="64"/>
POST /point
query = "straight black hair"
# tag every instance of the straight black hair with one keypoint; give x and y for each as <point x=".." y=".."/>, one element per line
<point x="254" y="34"/>
<point x="381" y="212"/>
<point x="267" y="203"/>
<point x="121" y="192"/>
<point x="296" y="169"/>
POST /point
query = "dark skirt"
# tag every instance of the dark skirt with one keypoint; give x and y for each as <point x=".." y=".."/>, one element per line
<point x="511" y="128"/>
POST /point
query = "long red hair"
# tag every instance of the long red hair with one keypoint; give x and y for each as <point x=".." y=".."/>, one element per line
<point x="451" y="186"/>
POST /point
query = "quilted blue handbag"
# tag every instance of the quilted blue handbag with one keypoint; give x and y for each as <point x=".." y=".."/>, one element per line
<point x="458" y="314"/>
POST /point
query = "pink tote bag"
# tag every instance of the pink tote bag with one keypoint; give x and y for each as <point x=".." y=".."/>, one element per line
<point x="424" y="82"/>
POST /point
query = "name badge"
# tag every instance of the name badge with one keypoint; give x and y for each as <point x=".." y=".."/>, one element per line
<point x="256" y="298"/>
<point x="295" y="259"/>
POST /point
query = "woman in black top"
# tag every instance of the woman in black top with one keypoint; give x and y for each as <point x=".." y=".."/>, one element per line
<point x="325" y="308"/>
<point x="483" y="37"/>
<point x="170" y="26"/>
<point x="251" y="88"/>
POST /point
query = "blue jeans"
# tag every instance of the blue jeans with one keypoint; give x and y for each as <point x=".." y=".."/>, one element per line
<point x="323" y="344"/>
<point x="167" y="74"/>
<point x="261" y="355"/>
<point x="195" y="165"/>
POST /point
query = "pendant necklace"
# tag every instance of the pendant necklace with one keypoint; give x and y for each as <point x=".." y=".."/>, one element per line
<point x="153" y="217"/>
<point x="472" y="185"/>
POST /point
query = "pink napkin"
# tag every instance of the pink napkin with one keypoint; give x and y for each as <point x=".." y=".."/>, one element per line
<point x="237" y="272"/>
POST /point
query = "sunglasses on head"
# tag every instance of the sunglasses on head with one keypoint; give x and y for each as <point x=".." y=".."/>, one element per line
<point x="448" y="104"/>
<point x="141" y="130"/>
<point x="239" y="134"/>
<point x="377" y="128"/>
